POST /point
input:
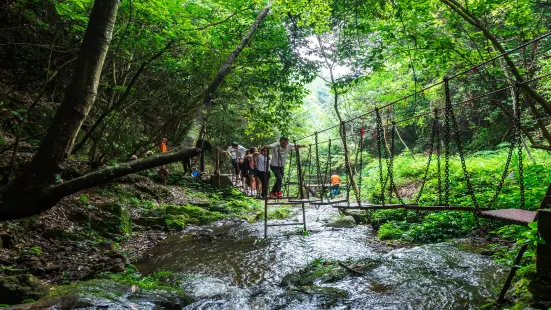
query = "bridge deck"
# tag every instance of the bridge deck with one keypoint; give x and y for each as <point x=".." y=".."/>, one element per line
<point x="513" y="216"/>
<point x="305" y="200"/>
<point x="368" y="206"/>
<point x="327" y="202"/>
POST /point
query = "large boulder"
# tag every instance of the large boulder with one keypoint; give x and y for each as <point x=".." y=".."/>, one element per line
<point x="202" y="287"/>
<point x="16" y="289"/>
<point x="341" y="221"/>
<point x="110" y="294"/>
<point x="113" y="219"/>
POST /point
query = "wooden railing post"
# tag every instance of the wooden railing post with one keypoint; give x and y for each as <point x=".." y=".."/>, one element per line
<point x="543" y="253"/>
<point x="540" y="287"/>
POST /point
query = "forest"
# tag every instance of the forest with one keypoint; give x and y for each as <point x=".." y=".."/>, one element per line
<point x="116" y="124"/>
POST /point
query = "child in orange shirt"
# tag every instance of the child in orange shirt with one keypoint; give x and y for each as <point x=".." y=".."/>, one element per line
<point x="335" y="184"/>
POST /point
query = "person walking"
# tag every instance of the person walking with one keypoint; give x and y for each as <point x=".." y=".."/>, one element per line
<point x="236" y="153"/>
<point x="262" y="180"/>
<point x="335" y="184"/>
<point x="251" y="172"/>
<point x="277" y="163"/>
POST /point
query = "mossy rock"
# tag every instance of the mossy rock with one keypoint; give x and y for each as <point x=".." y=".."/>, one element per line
<point x="112" y="294"/>
<point x="113" y="220"/>
<point x="220" y="181"/>
<point x="342" y="221"/>
<point x="326" y="273"/>
<point x="16" y="289"/>
<point x="175" y="222"/>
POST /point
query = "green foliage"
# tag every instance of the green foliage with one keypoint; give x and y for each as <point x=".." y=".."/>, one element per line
<point x="192" y="214"/>
<point x="83" y="198"/>
<point x="531" y="235"/>
<point x="37" y="250"/>
<point x="485" y="169"/>
<point x="390" y="231"/>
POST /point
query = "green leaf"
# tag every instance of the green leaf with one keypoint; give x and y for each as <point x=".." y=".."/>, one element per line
<point x="83" y="198"/>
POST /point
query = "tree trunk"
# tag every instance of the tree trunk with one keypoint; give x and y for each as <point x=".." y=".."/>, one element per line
<point x="79" y="98"/>
<point x="22" y="204"/>
<point x="473" y="20"/>
<point x="342" y="129"/>
<point x="209" y="95"/>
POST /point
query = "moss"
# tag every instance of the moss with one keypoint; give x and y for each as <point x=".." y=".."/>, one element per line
<point x="119" y="290"/>
<point x="176" y="222"/>
<point x="114" y="220"/>
<point x="317" y="271"/>
<point x="126" y="222"/>
<point x="192" y="214"/>
<point x="17" y="289"/>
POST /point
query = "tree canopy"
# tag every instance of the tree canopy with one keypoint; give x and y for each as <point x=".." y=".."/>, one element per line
<point x="246" y="71"/>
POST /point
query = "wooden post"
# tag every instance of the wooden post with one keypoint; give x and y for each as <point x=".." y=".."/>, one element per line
<point x="300" y="190"/>
<point x="512" y="273"/>
<point x="540" y="286"/>
<point x="266" y="183"/>
<point x="543" y="253"/>
<point x="217" y="169"/>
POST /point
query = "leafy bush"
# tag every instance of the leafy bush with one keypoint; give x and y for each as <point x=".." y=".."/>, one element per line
<point x="485" y="170"/>
<point x="390" y="230"/>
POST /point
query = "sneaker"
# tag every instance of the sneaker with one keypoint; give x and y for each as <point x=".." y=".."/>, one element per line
<point x="279" y="194"/>
<point x="273" y="194"/>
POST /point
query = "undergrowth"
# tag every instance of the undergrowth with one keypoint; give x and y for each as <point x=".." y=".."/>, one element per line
<point x="485" y="170"/>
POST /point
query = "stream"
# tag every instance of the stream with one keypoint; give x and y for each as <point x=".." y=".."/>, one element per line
<point x="230" y="265"/>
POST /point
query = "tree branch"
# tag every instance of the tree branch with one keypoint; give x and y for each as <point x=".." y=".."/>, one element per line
<point x="17" y="204"/>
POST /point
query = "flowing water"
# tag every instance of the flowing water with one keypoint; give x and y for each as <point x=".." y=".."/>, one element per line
<point x="236" y="268"/>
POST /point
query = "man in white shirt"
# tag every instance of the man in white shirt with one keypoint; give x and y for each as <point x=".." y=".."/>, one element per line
<point x="277" y="162"/>
<point x="236" y="152"/>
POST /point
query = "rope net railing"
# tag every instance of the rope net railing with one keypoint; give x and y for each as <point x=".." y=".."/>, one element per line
<point x="452" y="143"/>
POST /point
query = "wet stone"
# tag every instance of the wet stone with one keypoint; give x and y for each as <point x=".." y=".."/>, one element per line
<point x="205" y="287"/>
<point x="16" y="289"/>
<point x="340" y="221"/>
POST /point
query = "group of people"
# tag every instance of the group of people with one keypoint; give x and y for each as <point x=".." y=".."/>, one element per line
<point x="249" y="167"/>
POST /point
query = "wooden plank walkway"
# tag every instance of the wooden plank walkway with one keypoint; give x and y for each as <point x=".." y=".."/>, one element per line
<point x="368" y="206"/>
<point x="305" y="200"/>
<point x="513" y="216"/>
<point x="327" y="202"/>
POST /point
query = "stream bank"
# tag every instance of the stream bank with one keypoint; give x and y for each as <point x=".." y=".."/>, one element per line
<point x="229" y="265"/>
